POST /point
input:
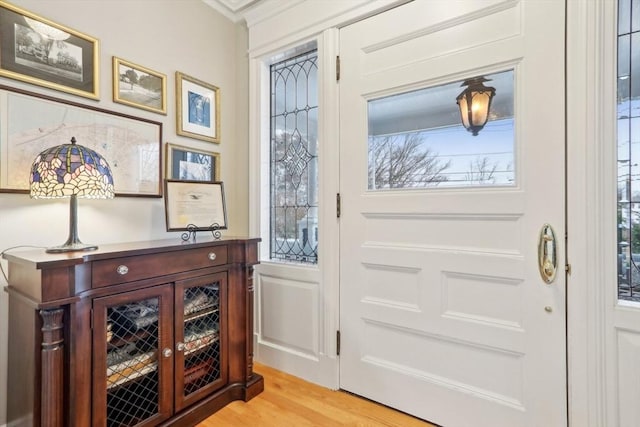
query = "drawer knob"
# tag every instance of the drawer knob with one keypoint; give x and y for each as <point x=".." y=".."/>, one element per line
<point x="122" y="269"/>
<point x="212" y="256"/>
<point x="167" y="352"/>
<point x="180" y="346"/>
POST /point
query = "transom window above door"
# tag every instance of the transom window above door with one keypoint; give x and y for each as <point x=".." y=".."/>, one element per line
<point x="417" y="139"/>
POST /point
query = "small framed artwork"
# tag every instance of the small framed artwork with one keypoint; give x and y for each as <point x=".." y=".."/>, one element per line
<point x="189" y="164"/>
<point x="194" y="205"/>
<point x="139" y="87"/>
<point x="41" y="52"/>
<point x="198" y="109"/>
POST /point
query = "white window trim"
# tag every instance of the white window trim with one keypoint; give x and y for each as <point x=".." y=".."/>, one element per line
<point x="325" y="272"/>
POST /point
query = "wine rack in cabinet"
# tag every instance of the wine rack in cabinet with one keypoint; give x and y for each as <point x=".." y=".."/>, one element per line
<point x="152" y="334"/>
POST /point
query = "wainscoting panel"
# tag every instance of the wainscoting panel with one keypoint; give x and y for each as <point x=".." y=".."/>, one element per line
<point x="290" y="331"/>
<point x="291" y="304"/>
<point x="628" y="377"/>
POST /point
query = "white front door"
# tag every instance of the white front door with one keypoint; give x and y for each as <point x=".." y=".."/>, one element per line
<point x="443" y="310"/>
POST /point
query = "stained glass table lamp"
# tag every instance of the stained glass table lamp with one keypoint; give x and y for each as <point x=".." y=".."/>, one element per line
<point x="71" y="170"/>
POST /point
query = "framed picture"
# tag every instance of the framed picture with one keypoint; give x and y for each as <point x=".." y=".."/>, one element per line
<point x="41" y="52"/>
<point x="139" y="87"/>
<point x="198" y="109"/>
<point x="31" y="123"/>
<point x="189" y="164"/>
<point x="194" y="205"/>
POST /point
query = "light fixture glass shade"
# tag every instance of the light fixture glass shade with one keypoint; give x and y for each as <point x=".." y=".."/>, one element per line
<point x="475" y="103"/>
<point x="71" y="170"/>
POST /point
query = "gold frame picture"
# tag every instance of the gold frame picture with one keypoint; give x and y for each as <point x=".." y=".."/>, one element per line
<point x="139" y="87"/>
<point x="198" y="109"/>
<point x="42" y="52"/>
<point x="190" y="164"/>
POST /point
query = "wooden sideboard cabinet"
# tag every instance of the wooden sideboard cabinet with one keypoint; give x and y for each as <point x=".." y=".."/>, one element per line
<point x="135" y="334"/>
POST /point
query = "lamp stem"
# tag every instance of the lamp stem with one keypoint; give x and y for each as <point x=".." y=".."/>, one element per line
<point x="73" y="221"/>
<point x="73" y="243"/>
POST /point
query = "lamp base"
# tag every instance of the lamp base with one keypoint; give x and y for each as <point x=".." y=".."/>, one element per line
<point x="71" y="247"/>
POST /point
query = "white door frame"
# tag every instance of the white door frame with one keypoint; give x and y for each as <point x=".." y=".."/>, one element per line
<point x="590" y="29"/>
<point x="590" y="203"/>
<point x="276" y="28"/>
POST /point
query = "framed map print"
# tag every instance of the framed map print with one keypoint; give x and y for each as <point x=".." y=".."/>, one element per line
<point x="30" y="123"/>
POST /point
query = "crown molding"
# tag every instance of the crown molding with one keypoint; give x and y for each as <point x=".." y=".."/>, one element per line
<point x="265" y="9"/>
<point x="232" y="9"/>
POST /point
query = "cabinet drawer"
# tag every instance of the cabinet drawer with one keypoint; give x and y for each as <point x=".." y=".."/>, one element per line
<point x="127" y="269"/>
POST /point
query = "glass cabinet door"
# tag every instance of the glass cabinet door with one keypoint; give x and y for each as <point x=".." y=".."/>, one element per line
<point x="133" y="357"/>
<point x="200" y="318"/>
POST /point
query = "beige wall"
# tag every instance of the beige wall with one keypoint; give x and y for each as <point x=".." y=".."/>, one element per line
<point x="165" y="36"/>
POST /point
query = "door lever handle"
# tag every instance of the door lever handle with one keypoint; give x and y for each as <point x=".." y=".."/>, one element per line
<point x="547" y="254"/>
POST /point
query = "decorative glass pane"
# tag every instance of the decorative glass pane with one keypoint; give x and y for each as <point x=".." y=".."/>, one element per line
<point x="294" y="159"/>
<point x="417" y="140"/>
<point x="132" y="362"/>
<point x="635" y="13"/>
<point x="624" y="74"/>
<point x="624" y="12"/>
<point x="201" y="337"/>
<point x="628" y="149"/>
<point x="635" y="65"/>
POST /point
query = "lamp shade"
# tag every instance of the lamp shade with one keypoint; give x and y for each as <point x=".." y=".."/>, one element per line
<point x="70" y="169"/>
<point x="73" y="171"/>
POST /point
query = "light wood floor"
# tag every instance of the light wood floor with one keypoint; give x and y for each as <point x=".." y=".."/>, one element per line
<point x="289" y="401"/>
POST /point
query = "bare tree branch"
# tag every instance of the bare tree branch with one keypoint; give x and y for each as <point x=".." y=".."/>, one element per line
<point x="400" y="161"/>
<point x="481" y="171"/>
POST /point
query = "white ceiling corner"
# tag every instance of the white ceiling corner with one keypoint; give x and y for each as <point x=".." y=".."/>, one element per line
<point x="232" y="9"/>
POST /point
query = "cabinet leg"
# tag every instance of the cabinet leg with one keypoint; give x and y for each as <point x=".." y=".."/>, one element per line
<point x="52" y="361"/>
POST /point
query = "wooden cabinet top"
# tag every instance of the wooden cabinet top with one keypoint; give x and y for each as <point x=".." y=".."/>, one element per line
<point x="42" y="260"/>
<point x="48" y="279"/>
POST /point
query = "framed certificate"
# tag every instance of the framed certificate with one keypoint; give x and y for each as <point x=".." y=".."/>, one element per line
<point x="194" y="205"/>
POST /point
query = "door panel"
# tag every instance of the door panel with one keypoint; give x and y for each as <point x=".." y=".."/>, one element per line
<point x="443" y="313"/>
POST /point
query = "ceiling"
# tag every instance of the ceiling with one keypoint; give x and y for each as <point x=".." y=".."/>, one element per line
<point x="232" y="9"/>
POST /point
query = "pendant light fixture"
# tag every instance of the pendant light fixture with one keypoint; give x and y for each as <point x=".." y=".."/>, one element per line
<point x="475" y="103"/>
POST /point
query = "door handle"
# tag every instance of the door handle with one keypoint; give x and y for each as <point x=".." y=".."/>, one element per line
<point x="547" y="255"/>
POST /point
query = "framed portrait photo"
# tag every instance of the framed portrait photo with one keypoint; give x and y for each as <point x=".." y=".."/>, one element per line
<point x="194" y="205"/>
<point x="41" y="52"/>
<point x="139" y="87"/>
<point x="198" y="109"/>
<point x="189" y="164"/>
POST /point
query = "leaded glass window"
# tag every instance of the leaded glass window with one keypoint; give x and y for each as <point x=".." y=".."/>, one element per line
<point x="628" y="143"/>
<point x="294" y="159"/>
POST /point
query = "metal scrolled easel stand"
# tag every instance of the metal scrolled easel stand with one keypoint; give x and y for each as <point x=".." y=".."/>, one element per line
<point x="190" y="234"/>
